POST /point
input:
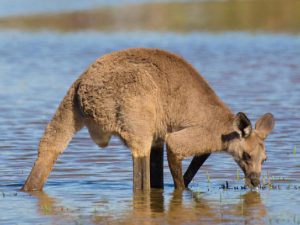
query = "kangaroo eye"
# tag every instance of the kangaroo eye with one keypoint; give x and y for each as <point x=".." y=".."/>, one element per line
<point x="246" y="156"/>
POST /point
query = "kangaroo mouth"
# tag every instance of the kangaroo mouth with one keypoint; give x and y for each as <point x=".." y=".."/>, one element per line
<point x="252" y="183"/>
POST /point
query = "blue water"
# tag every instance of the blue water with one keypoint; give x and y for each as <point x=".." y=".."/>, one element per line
<point x="253" y="73"/>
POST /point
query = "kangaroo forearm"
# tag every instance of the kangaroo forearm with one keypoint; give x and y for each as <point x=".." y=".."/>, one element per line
<point x="193" y="168"/>
<point x="192" y="141"/>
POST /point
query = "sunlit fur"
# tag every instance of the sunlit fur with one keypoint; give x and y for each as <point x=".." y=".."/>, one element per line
<point x="143" y="96"/>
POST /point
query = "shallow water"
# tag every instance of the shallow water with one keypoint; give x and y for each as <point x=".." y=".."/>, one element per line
<point x="254" y="73"/>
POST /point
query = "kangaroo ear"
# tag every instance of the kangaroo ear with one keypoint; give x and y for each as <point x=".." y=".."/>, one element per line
<point x="242" y="125"/>
<point x="264" y="125"/>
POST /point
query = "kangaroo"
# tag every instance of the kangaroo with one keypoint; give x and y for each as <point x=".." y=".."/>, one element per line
<point x="149" y="97"/>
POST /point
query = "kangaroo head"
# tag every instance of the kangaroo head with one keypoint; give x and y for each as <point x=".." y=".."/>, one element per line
<point x="247" y="148"/>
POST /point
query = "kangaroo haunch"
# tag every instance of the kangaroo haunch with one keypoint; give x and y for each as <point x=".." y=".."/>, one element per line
<point x="149" y="97"/>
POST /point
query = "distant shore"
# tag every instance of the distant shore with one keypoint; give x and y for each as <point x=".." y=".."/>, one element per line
<point x="216" y="16"/>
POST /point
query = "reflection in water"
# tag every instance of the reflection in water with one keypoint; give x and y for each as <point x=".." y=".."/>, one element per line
<point x="45" y="204"/>
<point x="48" y="206"/>
<point x="157" y="207"/>
<point x="192" y="207"/>
<point x="252" y="208"/>
<point x="146" y="207"/>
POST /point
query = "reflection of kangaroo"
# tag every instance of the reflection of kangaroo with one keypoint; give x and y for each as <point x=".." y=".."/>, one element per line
<point x="159" y="207"/>
<point x="146" y="97"/>
<point x="252" y="208"/>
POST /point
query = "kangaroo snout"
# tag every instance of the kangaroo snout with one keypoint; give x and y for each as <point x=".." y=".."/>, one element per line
<point x="252" y="180"/>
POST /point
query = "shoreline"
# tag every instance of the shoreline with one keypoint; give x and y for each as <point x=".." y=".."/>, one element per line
<point x="216" y="16"/>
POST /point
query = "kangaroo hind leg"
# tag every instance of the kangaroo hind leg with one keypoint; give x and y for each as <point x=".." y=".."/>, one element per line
<point x="157" y="165"/>
<point x="141" y="167"/>
<point x="140" y="147"/>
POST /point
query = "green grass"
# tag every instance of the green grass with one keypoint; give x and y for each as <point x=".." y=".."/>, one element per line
<point x="238" y="176"/>
<point x="46" y="209"/>
<point x="207" y="177"/>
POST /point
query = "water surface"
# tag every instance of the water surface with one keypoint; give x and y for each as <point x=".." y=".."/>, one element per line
<point x="254" y="73"/>
<point x="249" y="51"/>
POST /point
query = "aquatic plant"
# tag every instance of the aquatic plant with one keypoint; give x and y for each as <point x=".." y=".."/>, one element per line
<point x="238" y="177"/>
<point x="46" y="209"/>
<point x="207" y="177"/>
<point x="269" y="180"/>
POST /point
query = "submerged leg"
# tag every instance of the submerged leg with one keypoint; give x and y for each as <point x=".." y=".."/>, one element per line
<point x="141" y="173"/>
<point x="175" y="165"/>
<point x="59" y="132"/>
<point x="193" y="168"/>
<point x="140" y="150"/>
<point x="157" y="166"/>
<point x="181" y="144"/>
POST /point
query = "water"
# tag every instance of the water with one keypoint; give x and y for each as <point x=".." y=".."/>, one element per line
<point x="252" y="72"/>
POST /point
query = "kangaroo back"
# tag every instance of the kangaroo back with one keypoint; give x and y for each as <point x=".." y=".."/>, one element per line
<point x="141" y="95"/>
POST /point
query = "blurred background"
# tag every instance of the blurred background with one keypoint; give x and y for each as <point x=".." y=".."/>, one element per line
<point x="163" y="15"/>
<point x="248" y="50"/>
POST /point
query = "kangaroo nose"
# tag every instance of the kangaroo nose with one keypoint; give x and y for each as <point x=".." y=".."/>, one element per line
<point x="255" y="182"/>
<point x="254" y="179"/>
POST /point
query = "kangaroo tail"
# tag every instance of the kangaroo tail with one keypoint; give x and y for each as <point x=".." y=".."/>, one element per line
<point x="65" y="123"/>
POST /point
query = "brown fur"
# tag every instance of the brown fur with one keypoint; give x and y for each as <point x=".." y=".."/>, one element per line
<point x="141" y="95"/>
